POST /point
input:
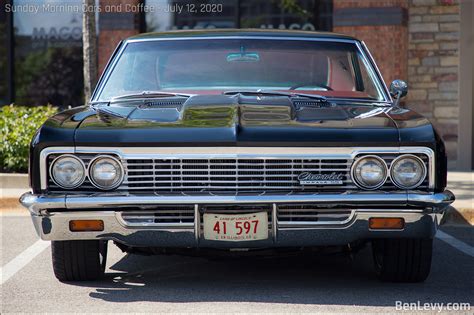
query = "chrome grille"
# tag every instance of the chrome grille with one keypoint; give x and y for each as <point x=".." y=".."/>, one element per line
<point x="241" y="175"/>
<point x="230" y="175"/>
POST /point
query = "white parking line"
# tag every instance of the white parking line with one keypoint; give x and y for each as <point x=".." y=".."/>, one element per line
<point x="454" y="242"/>
<point x="20" y="261"/>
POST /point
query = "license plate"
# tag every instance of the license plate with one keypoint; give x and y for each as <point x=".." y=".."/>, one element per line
<point x="235" y="227"/>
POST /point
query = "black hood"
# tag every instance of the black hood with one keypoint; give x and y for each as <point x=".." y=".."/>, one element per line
<point x="238" y="121"/>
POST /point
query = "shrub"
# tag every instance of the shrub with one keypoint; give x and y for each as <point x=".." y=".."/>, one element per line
<point x="17" y="127"/>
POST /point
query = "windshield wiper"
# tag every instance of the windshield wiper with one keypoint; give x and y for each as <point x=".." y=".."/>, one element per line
<point x="276" y="93"/>
<point x="149" y="94"/>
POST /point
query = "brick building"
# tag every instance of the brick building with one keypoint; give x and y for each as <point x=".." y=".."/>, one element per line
<point x="424" y="42"/>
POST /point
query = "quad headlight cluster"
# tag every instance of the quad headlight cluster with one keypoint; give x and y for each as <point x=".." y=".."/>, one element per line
<point x="104" y="172"/>
<point x="371" y="172"/>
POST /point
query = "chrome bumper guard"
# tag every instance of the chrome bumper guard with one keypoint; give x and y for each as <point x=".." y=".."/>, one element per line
<point x="422" y="213"/>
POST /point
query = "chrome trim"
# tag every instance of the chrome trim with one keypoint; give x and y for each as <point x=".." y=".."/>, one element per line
<point x="91" y="178"/>
<point x="415" y="158"/>
<point x="354" y="178"/>
<point x="369" y="56"/>
<point x="439" y="199"/>
<point x="234" y="152"/>
<point x="432" y="162"/>
<point x="36" y="203"/>
<point x="359" y="210"/>
<point x="106" y="74"/>
<point x="161" y="226"/>
<point x="197" y="223"/>
<point x="306" y="224"/>
<point x="75" y="158"/>
<point x="274" y="222"/>
<point x="299" y="38"/>
<point x="360" y="46"/>
<point x="43" y="162"/>
<point x="111" y="59"/>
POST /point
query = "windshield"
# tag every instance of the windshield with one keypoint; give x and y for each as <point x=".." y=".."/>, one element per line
<point x="205" y="66"/>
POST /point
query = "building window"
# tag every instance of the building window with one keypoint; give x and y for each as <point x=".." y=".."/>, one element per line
<point x="48" y="53"/>
<point x="310" y="15"/>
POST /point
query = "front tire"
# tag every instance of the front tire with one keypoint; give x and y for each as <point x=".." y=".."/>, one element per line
<point x="402" y="260"/>
<point x="79" y="260"/>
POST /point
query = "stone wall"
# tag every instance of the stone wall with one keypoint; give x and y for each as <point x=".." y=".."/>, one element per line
<point x="433" y="66"/>
<point x="422" y="49"/>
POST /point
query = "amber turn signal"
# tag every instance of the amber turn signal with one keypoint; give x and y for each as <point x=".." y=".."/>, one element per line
<point x="86" y="225"/>
<point x="386" y="223"/>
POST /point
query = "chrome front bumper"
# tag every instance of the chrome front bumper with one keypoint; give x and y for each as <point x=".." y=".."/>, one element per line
<point x="422" y="213"/>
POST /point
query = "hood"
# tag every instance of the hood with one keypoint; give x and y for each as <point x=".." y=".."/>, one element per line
<point x="221" y="120"/>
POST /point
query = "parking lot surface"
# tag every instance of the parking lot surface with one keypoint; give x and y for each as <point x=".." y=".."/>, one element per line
<point x="289" y="284"/>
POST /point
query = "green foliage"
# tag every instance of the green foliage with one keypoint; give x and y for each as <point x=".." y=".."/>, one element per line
<point x="17" y="127"/>
<point x="50" y="76"/>
<point x="293" y="7"/>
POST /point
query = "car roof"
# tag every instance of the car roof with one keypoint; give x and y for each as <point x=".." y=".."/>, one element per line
<point x="238" y="33"/>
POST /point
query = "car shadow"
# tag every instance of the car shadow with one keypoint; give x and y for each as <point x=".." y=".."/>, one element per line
<point x="299" y="279"/>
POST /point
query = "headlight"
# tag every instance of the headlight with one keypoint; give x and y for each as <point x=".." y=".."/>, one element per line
<point x="407" y="171"/>
<point x="67" y="171"/>
<point x="106" y="172"/>
<point x="369" y="172"/>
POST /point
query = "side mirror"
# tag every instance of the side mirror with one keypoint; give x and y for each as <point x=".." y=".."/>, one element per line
<point x="398" y="89"/>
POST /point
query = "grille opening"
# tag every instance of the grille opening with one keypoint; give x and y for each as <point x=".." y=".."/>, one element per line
<point x="239" y="175"/>
<point x="309" y="213"/>
<point x="172" y="215"/>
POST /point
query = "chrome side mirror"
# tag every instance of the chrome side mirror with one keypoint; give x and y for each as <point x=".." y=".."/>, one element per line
<point x="398" y="89"/>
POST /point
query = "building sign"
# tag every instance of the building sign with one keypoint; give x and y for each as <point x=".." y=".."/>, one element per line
<point x="64" y="33"/>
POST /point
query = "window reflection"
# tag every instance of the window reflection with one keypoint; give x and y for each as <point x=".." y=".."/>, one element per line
<point x="48" y="55"/>
<point x="309" y="15"/>
<point x="3" y="58"/>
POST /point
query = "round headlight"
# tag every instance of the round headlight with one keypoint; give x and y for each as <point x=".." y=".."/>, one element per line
<point x="67" y="171"/>
<point x="369" y="172"/>
<point x="407" y="171"/>
<point x="106" y="172"/>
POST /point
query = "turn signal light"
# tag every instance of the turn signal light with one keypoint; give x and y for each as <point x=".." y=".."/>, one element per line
<point x="86" y="225"/>
<point x="386" y="223"/>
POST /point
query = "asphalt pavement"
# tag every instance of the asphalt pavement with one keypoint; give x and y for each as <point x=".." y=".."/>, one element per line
<point x="177" y="284"/>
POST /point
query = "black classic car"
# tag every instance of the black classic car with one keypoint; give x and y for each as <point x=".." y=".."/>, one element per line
<point x="239" y="141"/>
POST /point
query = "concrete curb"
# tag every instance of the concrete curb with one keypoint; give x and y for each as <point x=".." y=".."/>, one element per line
<point x="12" y="207"/>
<point x="13" y="185"/>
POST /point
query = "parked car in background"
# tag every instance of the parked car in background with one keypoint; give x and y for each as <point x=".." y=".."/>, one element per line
<point x="239" y="140"/>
